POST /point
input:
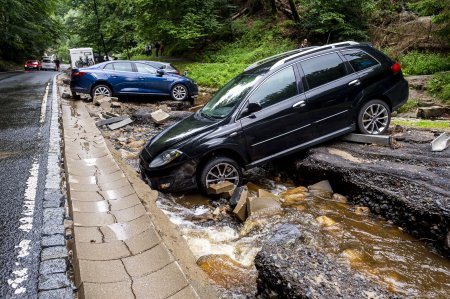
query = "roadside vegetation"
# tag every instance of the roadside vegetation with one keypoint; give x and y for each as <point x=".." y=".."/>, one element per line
<point x="422" y="124"/>
<point x="439" y="86"/>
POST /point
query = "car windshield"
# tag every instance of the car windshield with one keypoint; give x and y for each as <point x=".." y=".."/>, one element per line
<point x="229" y="96"/>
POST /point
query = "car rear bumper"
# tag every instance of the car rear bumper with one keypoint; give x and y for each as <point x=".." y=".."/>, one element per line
<point x="398" y="94"/>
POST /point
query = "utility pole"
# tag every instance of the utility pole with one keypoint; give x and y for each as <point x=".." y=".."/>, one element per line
<point x="98" y="28"/>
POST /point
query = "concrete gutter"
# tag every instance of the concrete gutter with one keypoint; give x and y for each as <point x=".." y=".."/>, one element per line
<point x="121" y="248"/>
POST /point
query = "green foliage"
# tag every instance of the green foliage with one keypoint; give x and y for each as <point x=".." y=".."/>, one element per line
<point x="341" y="20"/>
<point x="410" y="105"/>
<point x="439" y="86"/>
<point x="212" y="74"/>
<point x="440" y="10"/>
<point x="8" y="66"/>
<point x="27" y="28"/>
<point x="420" y="63"/>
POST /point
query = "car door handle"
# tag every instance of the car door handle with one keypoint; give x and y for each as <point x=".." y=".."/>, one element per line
<point x="299" y="105"/>
<point x="354" y="83"/>
<point x="114" y="76"/>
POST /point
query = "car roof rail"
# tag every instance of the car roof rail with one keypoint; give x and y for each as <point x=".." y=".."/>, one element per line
<point x="312" y="50"/>
<point x="259" y="62"/>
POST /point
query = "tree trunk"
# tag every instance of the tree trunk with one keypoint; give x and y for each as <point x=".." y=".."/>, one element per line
<point x="294" y="10"/>
<point x="274" y="8"/>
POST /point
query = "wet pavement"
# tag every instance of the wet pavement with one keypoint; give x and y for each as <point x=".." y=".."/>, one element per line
<point x="24" y="133"/>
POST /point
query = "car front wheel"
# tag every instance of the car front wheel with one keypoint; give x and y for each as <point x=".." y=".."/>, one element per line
<point x="374" y="117"/>
<point x="217" y="170"/>
<point x="101" y="90"/>
<point x="179" y="92"/>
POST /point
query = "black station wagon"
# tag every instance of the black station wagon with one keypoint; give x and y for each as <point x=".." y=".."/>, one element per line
<point x="277" y="106"/>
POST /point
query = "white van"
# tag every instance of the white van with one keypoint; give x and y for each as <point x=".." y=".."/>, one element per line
<point x="48" y="63"/>
<point x="81" y="57"/>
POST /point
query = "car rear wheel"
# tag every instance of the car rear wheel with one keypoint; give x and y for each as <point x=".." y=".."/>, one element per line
<point x="101" y="90"/>
<point x="179" y="92"/>
<point x="217" y="170"/>
<point x="374" y="117"/>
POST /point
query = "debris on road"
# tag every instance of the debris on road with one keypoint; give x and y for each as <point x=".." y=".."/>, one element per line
<point x="385" y="140"/>
<point x="110" y="120"/>
<point x="220" y="188"/>
<point x="440" y="143"/>
<point x="120" y="124"/>
<point x="159" y="116"/>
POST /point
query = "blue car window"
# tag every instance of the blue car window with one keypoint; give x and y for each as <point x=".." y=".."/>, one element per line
<point x="145" y="68"/>
<point x="123" y="66"/>
<point x="109" y="66"/>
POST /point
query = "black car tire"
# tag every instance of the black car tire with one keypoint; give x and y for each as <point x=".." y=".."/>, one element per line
<point x="374" y="117"/>
<point x="101" y="89"/>
<point x="179" y="92"/>
<point x="212" y="169"/>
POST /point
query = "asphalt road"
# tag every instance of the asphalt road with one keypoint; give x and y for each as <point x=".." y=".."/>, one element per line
<point x="24" y="131"/>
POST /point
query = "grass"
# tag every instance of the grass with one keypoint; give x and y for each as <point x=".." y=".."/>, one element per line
<point x="439" y="86"/>
<point x="410" y="105"/>
<point x="423" y="124"/>
<point x="424" y="63"/>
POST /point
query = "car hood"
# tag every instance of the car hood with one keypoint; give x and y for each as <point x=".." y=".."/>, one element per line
<point x="192" y="126"/>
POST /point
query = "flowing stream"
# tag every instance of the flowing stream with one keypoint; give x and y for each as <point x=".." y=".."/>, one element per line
<point x="225" y="248"/>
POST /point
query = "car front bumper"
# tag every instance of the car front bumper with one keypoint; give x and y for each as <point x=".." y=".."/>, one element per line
<point x="170" y="178"/>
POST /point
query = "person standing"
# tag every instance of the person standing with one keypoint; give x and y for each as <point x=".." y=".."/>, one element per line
<point x="57" y="63"/>
<point x="150" y="49"/>
<point x="157" y="46"/>
<point x="147" y="50"/>
<point x="162" y="49"/>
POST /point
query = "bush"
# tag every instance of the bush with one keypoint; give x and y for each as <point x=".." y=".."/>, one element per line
<point x="211" y="74"/>
<point x="9" y="66"/>
<point x="439" y="86"/>
<point x="417" y="63"/>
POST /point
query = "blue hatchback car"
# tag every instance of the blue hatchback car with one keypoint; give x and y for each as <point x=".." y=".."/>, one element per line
<point x="123" y="77"/>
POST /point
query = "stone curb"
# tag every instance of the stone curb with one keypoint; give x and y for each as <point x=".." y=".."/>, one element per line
<point x="121" y="249"/>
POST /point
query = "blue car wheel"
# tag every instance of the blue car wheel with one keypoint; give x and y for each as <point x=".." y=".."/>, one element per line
<point x="101" y="90"/>
<point x="179" y="92"/>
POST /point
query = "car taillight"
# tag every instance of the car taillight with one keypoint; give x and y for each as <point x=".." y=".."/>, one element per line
<point x="396" y="68"/>
<point x="78" y="74"/>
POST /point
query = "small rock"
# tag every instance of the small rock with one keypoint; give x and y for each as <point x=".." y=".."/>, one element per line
<point x="325" y="221"/>
<point x="66" y="95"/>
<point x="286" y="233"/>
<point x="362" y="210"/>
<point x="216" y="211"/>
<point x="321" y="186"/>
<point x="240" y="197"/>
<point x="98" y="100"/>
<point x="339" y="198"/>
<point x="66" y="81"/>
<point x="220" y="187"/>
<point x="106" y="106"/>
<point x="159" y="116"/>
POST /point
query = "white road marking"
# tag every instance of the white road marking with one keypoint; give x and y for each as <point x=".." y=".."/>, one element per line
<point x="20" y="274"/>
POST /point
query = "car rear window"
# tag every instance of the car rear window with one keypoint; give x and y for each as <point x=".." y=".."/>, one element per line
<point x="359" y="60"/>
<point x="323" y="69"/>
<point x="123" y="66"/>
<point x="46" y="60"/>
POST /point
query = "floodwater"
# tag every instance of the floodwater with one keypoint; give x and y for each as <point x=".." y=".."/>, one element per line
<point x="225" y="248"/>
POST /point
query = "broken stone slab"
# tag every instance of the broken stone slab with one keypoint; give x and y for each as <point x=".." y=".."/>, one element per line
<point x="321" y="186"/>
<point x="239" y="199"/>
<point x="53" y="281"/>
<point x="366" y="138"/>
<point x="106" y="106"/>
<point x="220" y="187"/>
<point x="120" y="124"/>
<point x="110" y="120"/>
<point x="265" y="193"/>
<point x="53" y="266"/>
<point x="432" y="112"/>
<point x="66" y="95"/>
<point x="159" y="116"/>
<point x="258" y="204"/>
<point x="98" y="100"/>
<point x="66" y="81"/>
<point x="116" y="105"/>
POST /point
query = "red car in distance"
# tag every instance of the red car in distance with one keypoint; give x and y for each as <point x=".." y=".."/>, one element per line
<point x="33" y="64"/>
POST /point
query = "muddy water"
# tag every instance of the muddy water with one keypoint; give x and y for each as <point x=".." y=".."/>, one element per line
<point x="225" y="248"/>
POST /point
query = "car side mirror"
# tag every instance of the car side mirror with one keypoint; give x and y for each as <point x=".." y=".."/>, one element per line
<point x="160" y="72"/>
<point x="251" y="108"/>
<point x="185" y="73"/>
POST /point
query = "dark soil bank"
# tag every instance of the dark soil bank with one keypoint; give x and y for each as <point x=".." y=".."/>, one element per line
<point x="289" y="268"/>
<point x="409" y="185"/>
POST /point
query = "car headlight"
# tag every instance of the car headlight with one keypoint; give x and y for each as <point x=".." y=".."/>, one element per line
<point x="165" y="158"/>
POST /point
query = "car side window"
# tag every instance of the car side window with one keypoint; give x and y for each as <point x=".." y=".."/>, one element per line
<point x="323" y="69"/>
<point x="359" y="60"/>
<point x="123" y="66"/>
<point x="280" y="86"/>
<point x="109" y="66"/>
<point x="145" y="68"/>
